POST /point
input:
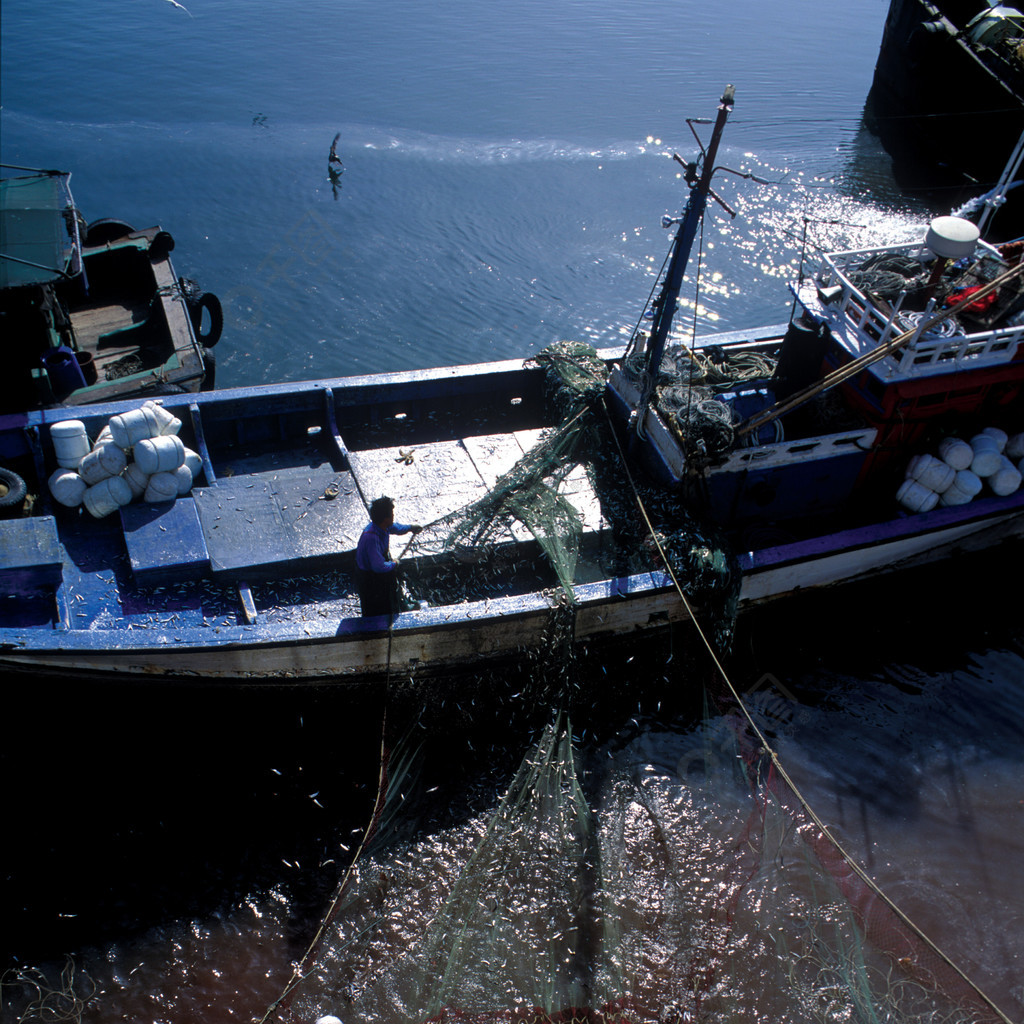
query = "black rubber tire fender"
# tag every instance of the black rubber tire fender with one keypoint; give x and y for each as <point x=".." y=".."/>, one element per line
<point x="107" y="229"/>
<point x="209" y="302"/>
<point x="12" y="489"/>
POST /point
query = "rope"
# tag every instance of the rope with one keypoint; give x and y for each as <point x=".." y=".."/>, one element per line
<point x="777" y="764"/>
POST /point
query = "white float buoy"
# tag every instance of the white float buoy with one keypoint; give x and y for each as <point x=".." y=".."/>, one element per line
<point x="107" y="496"/>
<point x="184" y="477"/>
<point x="997" y="435"/>
<point x="1014" y="447"/>
<point x="932" y="473"/>
<point x="106" y="460"/>
<point x="194" y="462"/>
<point x="161" y="487"/>
<point x="965" y="487"/>
<point x="986" y="455"/>
<point x="956" y="452"/>
<point x="167" y="421"/>
<point x="136" y="479"/>
<point x="1006" y="479"/>
<point x="70" y="442"/>
<point x="915" y="497"/>
<point x="129" y="428"/>
<point x="67" y="487"/>
<point x="160" y="454"/>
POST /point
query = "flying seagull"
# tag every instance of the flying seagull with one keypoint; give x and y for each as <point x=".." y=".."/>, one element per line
<point x="182" y="6"/>
<point x="335" y="168"/>
<point x="333" y="160"/>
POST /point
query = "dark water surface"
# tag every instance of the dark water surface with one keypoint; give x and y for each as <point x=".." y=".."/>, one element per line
<point x="506" y="169"/>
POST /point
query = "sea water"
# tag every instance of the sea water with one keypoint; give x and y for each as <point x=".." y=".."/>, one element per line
<point x="505" y="171"/>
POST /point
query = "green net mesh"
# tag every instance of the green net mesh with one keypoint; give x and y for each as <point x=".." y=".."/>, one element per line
<point x="532" y="493"/>
<point x="529" y="492"/>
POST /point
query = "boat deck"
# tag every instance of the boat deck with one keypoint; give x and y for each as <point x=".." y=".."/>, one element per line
<point x="272" y="538"/>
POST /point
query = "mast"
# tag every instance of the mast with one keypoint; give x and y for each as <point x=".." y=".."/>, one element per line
<point x="700" y="188"/>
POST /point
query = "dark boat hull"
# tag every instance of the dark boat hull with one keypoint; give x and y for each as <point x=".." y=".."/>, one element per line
<point x="946" y="110"/>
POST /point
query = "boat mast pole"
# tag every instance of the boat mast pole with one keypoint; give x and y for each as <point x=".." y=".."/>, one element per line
<point x="665" y="304"/>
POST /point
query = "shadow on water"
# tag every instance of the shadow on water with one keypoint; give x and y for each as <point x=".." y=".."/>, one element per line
<point x="137" y="806"/>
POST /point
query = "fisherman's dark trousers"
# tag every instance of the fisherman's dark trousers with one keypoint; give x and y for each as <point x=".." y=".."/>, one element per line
<point x="378" y="592"/>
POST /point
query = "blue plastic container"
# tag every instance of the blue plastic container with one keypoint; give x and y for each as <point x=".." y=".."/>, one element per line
<point x="63" y="369"/>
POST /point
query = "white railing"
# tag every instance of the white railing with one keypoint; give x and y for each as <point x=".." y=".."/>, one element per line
<point x="863" y="326"/>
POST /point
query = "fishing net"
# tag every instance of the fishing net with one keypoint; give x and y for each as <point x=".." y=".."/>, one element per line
<point x="669" y="877"/>
<point x="532" y="495"/>
<point x="495" y="925"/>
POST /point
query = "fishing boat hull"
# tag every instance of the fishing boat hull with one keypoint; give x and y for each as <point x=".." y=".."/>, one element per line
<point x="88" y="600"/>
<point x="472" y="636"/>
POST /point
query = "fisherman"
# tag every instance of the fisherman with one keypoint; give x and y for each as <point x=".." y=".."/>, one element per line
<point x="376" y="573"/>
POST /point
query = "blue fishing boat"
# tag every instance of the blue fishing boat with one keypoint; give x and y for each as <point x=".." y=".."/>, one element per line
<point x="93" y="311"/>
<point x="576" y="496"/>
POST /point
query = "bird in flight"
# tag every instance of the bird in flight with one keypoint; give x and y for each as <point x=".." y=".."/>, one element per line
<point x="335" y="167"/>
<point x="333" y="160"/>
<point x="181" y="6"/>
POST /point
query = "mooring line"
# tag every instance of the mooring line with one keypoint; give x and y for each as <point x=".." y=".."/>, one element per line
<point x="777" y="764"/>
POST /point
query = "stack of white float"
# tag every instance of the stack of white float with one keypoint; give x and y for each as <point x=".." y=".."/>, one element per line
<point x="138" y="455"/>
<point x="991" y="461"/>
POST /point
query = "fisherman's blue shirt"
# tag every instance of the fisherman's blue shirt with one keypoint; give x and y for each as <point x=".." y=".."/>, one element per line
<point x="373" y="553"/>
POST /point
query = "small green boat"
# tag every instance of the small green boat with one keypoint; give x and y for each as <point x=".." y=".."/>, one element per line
<point x="92" y="312"/>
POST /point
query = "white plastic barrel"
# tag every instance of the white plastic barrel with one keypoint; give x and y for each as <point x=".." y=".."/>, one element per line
<point x="167" y="422"/>
<point x="997" y="435"/>
<point x="106" y="460"/>
<point x="67" y="487"/>
<point x="184" y="477"/>
<point x="964" y="487"/>
<point x="136" y="479"/>
<point x="1014" y="449"/>
<point x="986" y="455"/>
<point x="70" y="442"/>
<point x="129" y="428"/>
<point x="160" y="454"/>
<point x="107" y="496"/>
<point x="161" y="487"/>
<point x="916" y="497"/>
<point x="932" y="473"/>
<point x="1006" y="479"/>
<point x="956" y="452"/>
